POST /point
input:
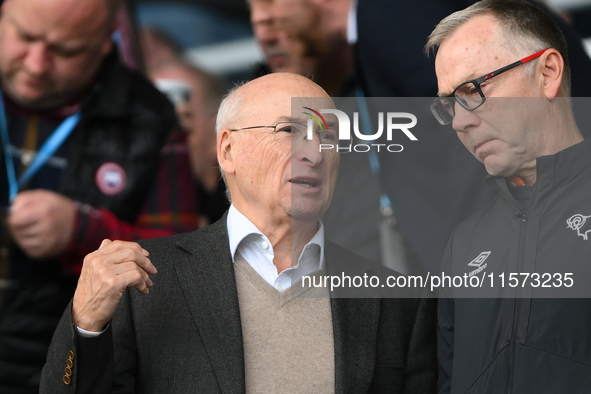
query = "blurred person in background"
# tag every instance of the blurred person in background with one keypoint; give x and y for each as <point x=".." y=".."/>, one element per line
<point x="82" y="137"/>
<point x="196" y="107"/>
<point x="157" y="47"/>
<point x="353" y="218"/>
<point x="325" y="58"/>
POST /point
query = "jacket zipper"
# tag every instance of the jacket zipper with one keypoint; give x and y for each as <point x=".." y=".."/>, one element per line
<point x="517" y="311"/>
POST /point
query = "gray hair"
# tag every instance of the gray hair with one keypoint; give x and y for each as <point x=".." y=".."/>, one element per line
<point x="526" y="29"/>
<point x="227" y="114"/>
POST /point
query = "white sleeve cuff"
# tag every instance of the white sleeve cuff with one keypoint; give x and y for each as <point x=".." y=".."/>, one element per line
<point x="89" y="334"/>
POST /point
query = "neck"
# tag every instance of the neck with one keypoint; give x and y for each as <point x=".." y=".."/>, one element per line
<point x="561" y="133"/>
<point x="287" y="236"/>
<point x="335" y="68"/>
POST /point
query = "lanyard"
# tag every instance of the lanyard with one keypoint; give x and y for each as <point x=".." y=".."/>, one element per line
<point x="55" y="140"/>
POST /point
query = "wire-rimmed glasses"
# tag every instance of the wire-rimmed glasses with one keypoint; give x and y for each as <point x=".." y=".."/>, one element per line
<point x="294" y="133"/>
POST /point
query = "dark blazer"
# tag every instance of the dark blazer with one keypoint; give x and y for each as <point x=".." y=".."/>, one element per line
<point x="186" y="336"/>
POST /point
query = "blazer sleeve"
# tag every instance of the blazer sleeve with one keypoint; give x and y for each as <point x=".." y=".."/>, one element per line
<point x="92" y="360"/>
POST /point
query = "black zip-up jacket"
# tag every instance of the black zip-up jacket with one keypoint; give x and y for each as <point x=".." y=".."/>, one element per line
<point x="526" y="344"/>
<point x="125" y="120"/>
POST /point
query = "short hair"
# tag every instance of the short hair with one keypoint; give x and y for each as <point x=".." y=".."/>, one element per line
<point x="227" y="113"/>
<point x="526" y="28"/>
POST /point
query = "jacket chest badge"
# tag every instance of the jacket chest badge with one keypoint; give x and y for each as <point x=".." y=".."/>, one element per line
<point x="577" y="223"/>
<point x="479" y="263"/>
<point x="110" y="178"/>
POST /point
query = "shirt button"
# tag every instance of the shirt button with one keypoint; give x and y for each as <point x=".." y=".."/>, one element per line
<point x="265" y="245"/>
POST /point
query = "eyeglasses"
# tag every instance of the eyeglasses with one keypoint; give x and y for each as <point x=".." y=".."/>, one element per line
<point x="469" y="94"/>
<point x="295" y="133"/>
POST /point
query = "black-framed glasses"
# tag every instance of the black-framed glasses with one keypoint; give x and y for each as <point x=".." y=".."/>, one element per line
<point x="294" y="133"/>
<point x="469" y="94"/>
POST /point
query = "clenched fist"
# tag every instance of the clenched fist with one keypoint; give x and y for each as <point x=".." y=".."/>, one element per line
<point x="41" y="222"/>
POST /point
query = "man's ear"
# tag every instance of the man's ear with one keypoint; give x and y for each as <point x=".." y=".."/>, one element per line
<point x="552" y="68"/>
<point x="224" y="150"/>
<point x="108" y="42"/>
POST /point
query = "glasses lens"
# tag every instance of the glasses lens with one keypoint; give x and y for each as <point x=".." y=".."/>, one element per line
<point x="443" y="109"/>
<point x="290" y="132"/>
<point x="298" y="134"/>
<point x="469" y="96"/>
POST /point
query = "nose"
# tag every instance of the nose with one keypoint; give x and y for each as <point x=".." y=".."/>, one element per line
<point x="464" y="119"/>
<point x="38" y="59"/>
<point x="262" y="23"/>
<point x="308" y="151"/>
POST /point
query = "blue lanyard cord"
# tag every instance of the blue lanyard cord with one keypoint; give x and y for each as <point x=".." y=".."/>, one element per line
<point x="48" y="149"/>
<point x="385" y="203"/>
<point x="12" y="185"/>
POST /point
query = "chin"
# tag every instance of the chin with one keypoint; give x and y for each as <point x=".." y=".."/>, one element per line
<point x="306" y="215"/>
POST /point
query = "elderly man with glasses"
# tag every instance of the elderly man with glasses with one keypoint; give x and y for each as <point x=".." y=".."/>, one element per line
<point x="227" y="311"/>
<point x="518" y="121"/>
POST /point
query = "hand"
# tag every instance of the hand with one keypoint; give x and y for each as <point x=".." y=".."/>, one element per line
<point x="42" y="222"/>
<point x="106" y="273"/>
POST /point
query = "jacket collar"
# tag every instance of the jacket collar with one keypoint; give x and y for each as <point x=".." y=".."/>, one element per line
<point x="553" y="168"/>
<point x="206" y="274"/>
<point x="110" y="94"/>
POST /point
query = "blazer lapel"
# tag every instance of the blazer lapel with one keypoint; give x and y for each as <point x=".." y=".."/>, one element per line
<point x="207" y="278"/>
<point x="355" y="323"/>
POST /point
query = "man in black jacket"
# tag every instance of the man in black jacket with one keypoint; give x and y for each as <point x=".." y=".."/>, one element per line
<point x="504" y="84"/>
<point x="81" y="143"/>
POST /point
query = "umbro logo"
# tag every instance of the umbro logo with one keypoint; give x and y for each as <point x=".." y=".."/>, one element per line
<point x="479" y="262"/>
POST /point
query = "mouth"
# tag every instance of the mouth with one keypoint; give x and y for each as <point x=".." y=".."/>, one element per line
<point x="277" y="61"/>
<point x="480" y="144"/>
<point x="308" y="182"/>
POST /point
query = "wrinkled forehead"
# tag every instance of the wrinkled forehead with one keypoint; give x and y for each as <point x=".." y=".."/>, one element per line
<point x="304" y="108"/>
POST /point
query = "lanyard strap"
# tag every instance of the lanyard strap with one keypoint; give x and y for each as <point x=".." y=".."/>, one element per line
<point x="48" y="149"/>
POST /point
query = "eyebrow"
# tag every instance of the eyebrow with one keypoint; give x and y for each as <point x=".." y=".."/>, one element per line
<point x="332" y="124"/>
<point x="467" y="78"/>
<point x="23" y="32"/>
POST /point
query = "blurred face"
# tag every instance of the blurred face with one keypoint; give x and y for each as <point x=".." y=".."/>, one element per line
<point x="198" y="120"/>
<point x="269" y="176"/>
<point x="302" y="20"/>
<point x="50" y="50"/>
<point x="504" y="133"/>
<point x="282" y="53"/>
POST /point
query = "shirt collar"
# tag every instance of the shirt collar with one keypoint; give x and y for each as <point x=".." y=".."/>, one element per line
<point x="240" y="227"/>
<point x="352" y="23"/>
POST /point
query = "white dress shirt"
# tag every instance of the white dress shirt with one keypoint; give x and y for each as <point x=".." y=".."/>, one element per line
<point x="256" y="249"/>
